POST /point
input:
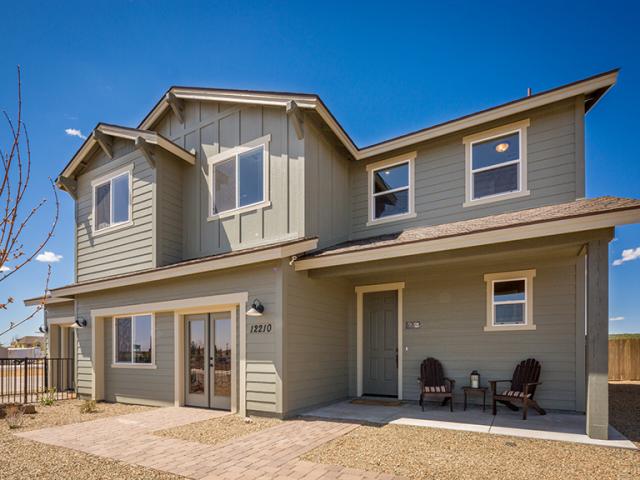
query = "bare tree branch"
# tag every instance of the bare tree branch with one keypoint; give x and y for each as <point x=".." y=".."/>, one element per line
<point x="16" y="218"/>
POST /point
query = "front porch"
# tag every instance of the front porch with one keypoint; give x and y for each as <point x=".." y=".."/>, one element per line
<point x="555" y="425"/>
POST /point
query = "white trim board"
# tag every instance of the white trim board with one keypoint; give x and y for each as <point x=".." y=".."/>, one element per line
<point x="360" y="291"/>
<point x="501" y="235"/>
<point x="213" y="264"/>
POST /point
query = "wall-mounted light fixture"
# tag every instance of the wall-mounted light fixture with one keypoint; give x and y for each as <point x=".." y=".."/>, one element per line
<point x="43" y="329"/>
<point x="256" y="309"/>
<point x="79" y="323"/>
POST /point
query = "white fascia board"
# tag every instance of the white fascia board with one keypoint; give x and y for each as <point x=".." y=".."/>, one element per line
<point x="211" y="265"/>
<point x="502" y="235"/>
<point x="36" y="301"/>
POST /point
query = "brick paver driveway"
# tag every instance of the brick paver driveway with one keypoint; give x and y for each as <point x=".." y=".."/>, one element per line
<point x="270" y="453"/>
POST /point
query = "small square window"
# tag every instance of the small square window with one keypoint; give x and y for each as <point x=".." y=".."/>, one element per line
<point x="112" y="201"/>
<point x="509" y="300"/>
<point x="133" y="339"/>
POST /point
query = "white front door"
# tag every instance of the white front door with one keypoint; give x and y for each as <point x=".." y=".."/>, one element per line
<point x="208" y="360"/>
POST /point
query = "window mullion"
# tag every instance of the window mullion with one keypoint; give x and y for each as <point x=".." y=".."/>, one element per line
<point x="237" y="181"/>
<point x="393" y="190"/>
<point x="492" y="167"/>
<point x="133" y="335"/>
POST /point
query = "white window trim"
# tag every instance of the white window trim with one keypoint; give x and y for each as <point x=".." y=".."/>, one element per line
<point x="409" y="158"/>
<point x="115" y="363"/>
<point x="234" y="152"/>
<point x="470" y="140"/>
<point x="95" y="183"/>
<point x="491" y="279"/>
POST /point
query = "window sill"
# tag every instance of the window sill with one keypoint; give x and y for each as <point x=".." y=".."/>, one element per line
<point x="496" y="198"/>
<point x="113" y="228"/>
<point x="508" y="328"/>
<point x="394" y="218"/>
<point x="135" y="365"/>
<point x="237" y="211"/>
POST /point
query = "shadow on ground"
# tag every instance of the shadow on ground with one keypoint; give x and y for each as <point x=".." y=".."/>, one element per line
<point x="624" y="409"/>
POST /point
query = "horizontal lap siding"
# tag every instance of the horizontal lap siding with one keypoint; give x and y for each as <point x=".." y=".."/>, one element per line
<point x="169" y="214"/>
<point x="60" y="310"/>
<point x="440" y="174"/>
<point x="317" y="313"/>
<point x="124" y="250"/>
<point x="451" y="305"/>
<point x="143" y="385"/>
<point x="225" y="126"/>
<point x="262" y="363"/>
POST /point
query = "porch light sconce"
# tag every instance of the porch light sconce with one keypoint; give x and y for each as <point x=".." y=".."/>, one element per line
<point x="80" y="323"/>
<point x="43" y="329"/>
<point x="256" y="309"/>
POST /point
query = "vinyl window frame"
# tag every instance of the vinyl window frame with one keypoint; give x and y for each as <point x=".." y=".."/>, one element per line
<point x="408" y="158"/>
<point x="469" y="141"/>
<point x="109" y="178"/>
<point x="491" y="279"/>
<point x="235" y="152"/>
<point x="114" y="358"/>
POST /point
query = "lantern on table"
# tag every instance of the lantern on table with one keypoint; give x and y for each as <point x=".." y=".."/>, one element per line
<point x="475" y="379"/>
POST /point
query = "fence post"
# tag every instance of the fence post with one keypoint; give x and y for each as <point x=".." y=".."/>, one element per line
<point x="26" y="376"/>
<point x="46" y="374"/>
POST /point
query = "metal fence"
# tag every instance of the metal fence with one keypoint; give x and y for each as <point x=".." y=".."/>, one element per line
<point x="27" y="380"/>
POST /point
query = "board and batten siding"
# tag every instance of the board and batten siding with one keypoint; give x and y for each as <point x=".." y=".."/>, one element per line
<point x="226" y="126"/>
<point x="450" y="303"/>
<point x="122" y="250"/>
<point x="263" y="365"/>
<point x="316" y="347"/>
<point x="327" y="192"/>
<point x="149" y="386"/>
<point x="555" y="173"/>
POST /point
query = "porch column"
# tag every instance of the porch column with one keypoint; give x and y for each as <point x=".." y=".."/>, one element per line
<point x="597" y="339"/>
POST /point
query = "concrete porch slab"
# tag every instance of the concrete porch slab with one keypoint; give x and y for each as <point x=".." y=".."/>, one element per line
<point x="564" y="427"/>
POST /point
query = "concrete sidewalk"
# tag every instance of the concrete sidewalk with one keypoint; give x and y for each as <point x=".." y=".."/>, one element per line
<point x="566" y="427"/>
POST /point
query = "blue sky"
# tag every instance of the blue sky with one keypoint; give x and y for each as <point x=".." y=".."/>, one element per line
<point x="382" y="71"/>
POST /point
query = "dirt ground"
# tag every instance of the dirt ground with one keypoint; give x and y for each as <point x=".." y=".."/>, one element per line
<point x="219" y="429"/>
<point x="24" y="459"/>
<point x="426" y="453"/>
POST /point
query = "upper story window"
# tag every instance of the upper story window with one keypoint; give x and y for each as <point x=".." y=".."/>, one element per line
<point x="133" y="340"/>
<point x="239" y="179"/>
<point x="391" y="195"/>
<point x="496" y="164"/>
<point x="510" y="300"/>
<point x="112" y="200"/>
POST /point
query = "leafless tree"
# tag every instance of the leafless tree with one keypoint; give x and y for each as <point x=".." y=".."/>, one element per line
<point x="17" y="219"/>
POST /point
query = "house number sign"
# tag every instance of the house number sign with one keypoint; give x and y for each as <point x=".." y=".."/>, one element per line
<point x="260" y="328"/>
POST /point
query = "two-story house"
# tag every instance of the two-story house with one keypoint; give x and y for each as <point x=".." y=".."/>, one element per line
<point x="237" y="250"/>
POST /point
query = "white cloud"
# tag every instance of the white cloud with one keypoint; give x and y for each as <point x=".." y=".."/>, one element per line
<point x="627" y="256"/>
<point x="49" y="257"/>
<point x="74" y="132"/>
<point x="4" y="268"/>
<point x="615" y="319"/>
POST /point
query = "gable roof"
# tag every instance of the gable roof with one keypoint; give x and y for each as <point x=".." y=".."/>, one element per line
<point x="593" y="88"/>
<point x="94" y="140"/>
<point x="576" y="216"/>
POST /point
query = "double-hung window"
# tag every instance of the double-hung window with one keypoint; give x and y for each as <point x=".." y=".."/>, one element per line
<point x="510" y="300"/>
<point x="391" y="189"/>
<point x="239" y="179"/>
<point x="496" y="164"/>
<point x="133" y="339"/>
<point x="112" y="200"/>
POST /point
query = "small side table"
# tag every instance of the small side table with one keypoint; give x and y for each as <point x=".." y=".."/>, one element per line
<point x="474" y="391"/>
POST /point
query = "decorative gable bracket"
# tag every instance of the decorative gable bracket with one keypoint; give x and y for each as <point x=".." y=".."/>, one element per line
<point x="146" y="149"/>
<point x="295" y="113"/>
<point x="69" y="185"/>
<point x="177" y="105"/>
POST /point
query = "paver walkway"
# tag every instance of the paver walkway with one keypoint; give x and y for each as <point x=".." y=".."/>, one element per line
<point x="271" y="453"/>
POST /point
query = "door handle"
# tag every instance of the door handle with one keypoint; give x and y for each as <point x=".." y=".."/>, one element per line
<point x="396" y="357"/>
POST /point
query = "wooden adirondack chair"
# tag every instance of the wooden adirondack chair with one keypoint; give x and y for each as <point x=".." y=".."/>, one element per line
<point x="522" y="389"/>
<point x="433" y="383"/>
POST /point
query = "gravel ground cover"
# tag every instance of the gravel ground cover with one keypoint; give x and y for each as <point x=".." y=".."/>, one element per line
<point x="23" y="459"/>
<point x="220" y="429"/>
<point x="426" y="453"/>
<point x="624" y="409"/>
